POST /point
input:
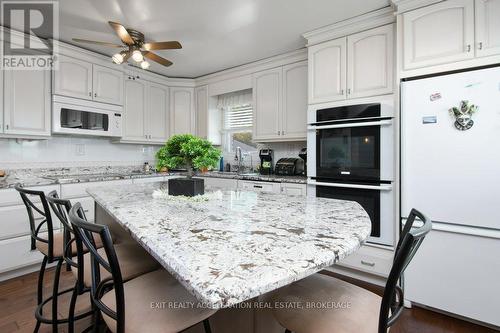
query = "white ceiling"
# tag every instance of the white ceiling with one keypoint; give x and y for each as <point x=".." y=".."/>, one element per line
<point x="215" y="34"/>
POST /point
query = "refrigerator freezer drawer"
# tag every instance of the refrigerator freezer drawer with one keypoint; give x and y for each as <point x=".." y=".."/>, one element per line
<point x="457" y="273"/>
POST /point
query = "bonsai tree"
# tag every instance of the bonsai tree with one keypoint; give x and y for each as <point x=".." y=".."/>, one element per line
<point x="189" y="151"/>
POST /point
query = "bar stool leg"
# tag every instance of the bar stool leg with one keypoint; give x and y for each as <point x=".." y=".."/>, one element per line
<point x="55" y="292"/>
<point x="41" y="274"/>
<point x="206" y="325"/>
<point x="72" y="304"/>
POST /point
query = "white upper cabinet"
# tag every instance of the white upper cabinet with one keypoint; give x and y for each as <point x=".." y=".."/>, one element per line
<point x="294" y="115"/>
<point x="327" y="71"/>
<point x="134" y="114"/>
<point x="370" y="61"/>
<point x="26" y="102"/>
<point x="267" y="102"/>
<point x="82" y="79"/>
<point x="487" y="27"/>
<point x="107" y="85"/>
<point x="438" y="34"/>
<point x="157" y="115"/>
<point x="73" y="78"/>
<point x="182" y="119"/>
<point x="201" y="96"/>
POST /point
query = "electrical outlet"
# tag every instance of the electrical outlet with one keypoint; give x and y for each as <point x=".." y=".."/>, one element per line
<point x="80" y="149"/>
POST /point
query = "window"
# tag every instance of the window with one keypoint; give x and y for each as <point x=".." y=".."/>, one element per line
<point x="237" y="121"/>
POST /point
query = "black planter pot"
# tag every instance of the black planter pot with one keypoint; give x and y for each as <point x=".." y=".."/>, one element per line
<point x="186" y="186"/>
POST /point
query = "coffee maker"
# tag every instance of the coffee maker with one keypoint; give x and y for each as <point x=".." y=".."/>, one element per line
<point x="266" y="161"/>
<point x="303" y="155"/>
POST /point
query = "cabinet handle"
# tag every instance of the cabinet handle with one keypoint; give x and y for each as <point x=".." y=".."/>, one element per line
<point x="257" y="186"/>
<point x="282" y="132"/>
<point x="6" y="126"/>
<point x="90" y="93"/>
<point x="349" y="91"/>
<point x="480" y="45"/>
<point x="342" y="91"/>
<point x="95" y="94"/>
<point x="468" y="48"/>
<point x="278" y="132"/>
<point x="366" y="263"/>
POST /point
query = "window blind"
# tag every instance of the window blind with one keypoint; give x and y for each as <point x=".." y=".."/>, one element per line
<point x="237" y="117"/>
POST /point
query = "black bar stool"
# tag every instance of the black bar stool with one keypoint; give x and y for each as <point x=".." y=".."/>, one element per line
<point x="51" y="245"/>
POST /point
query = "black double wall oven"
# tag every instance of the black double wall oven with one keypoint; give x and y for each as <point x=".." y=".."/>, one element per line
<point x="354" y="160"/>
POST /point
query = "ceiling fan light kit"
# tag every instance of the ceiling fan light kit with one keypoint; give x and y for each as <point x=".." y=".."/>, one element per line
<point x="137" y="49"/>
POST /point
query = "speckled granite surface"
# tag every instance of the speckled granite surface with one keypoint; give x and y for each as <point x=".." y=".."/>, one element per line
<point x="237" y="245"/>
<point x="51" y="176"/>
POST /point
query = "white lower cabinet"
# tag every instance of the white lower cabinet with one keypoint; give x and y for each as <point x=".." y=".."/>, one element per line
<point x="152" y="179"/>
<point x="293" y="189"/>
<point x="369" y="259"/>
<point x="248" y="185"/>
<point x="221" y="183"/>
<point x="16" y="254"/>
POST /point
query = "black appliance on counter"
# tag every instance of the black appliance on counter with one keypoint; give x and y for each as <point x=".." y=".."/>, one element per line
<point x="266" y="161"/>
<point x="303" y="156"/>
<point x="290" y="166"/>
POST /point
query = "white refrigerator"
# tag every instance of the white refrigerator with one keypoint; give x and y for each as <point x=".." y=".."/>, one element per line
<point x="451" y="172"/>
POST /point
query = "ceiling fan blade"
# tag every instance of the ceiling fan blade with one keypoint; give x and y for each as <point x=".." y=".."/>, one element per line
<point x="162" y="45"/>
<point x="78" y="40"/>
<point x="122" y="32"/>
<point x="157" y="58"/>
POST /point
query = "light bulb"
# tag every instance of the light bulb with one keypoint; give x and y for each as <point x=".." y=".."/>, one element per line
<point x="144" y="64"/>
<point x="117" y="58"/>
<point x="137" y="56"/>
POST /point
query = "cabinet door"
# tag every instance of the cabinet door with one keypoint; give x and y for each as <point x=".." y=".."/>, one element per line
<point x="107" y="85"/>
<point x="157" y="117"/>
<point x="327" y="71"/>
<point x="294" y="115"/>
<point x="370" y="62"/>
<point x="27" y="102"/>
<point x="181" y="110"/>
<point x="201" y="94"/>
<point x="134" y="111"/>
<point x="487" y="27"/>
<point x="73" y="78"/>
<point x="267" y="102"/>
<point x="438" y="34"/>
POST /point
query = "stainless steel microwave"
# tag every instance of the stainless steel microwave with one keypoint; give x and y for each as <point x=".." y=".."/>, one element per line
<point x="81" y="117"/>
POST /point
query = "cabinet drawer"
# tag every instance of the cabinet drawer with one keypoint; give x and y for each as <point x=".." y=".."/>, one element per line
<point x="16" y="253"/>
<point x="293" y="189"/>
<point x="10" y="197"/>
<point x="14" y="221"/>
<point x="259" y="186"/>
<point x="368" y="259"/>
<point x="79" y="190"/>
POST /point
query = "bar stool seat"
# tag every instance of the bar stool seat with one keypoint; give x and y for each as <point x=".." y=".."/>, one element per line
<point x="59" y="245"/>
<point x="158" y="286"/>
<point x="329" y="305"/>
<point x="133" y="259"/>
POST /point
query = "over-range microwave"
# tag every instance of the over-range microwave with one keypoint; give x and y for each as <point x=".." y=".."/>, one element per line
<point x="81" y="117"/>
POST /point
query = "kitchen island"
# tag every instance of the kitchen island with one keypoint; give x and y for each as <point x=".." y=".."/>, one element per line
<point x="231" y="246"/>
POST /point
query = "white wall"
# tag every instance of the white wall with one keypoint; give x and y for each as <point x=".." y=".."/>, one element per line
<point x="65" y="151"/>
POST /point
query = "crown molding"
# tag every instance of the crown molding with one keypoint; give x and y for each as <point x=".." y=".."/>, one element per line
<point x="350" y="26"/>
<point x="253" y="67"/>
<point x="402" y="6"/>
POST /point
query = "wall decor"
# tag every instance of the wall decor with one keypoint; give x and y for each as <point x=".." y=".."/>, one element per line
<point x="463" y="115"/>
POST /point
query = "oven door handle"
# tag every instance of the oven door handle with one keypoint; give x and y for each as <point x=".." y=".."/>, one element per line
<point x="383" y="187"/>
<point x="368" y="123"/>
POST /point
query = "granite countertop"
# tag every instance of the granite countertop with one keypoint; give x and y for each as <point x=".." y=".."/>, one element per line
<point x="237" y="245"/>
<point x="53" y="176"/>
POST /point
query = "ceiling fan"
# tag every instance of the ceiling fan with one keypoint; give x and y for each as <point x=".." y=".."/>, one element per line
<point x="137" y="48"/>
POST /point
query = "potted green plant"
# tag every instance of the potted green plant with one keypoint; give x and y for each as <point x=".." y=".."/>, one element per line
<point x="191" y="152"/>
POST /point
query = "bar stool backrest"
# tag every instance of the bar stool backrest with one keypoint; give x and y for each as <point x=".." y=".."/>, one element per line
<point x="61" y="208"/>
<point x="86" y="233"/>
<point x="38" y="218"/>
<point x="409" y="242"/>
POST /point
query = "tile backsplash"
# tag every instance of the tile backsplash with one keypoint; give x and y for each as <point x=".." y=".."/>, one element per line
<point x="64" y="151"/>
